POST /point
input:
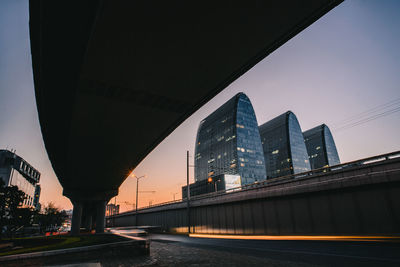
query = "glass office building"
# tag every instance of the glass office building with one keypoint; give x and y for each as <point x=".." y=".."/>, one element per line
<point x="228" y="142"/>
<point x="284" y="150"/>
<point x="15" y="171"/>
<point x="320" y="147"/>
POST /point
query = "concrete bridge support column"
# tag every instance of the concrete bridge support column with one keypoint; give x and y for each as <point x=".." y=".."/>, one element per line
<point x="88" y="217"/>
<point x="89" y="223"/>
<point x="100" y="216"/>
<point x="89" y="209"/>
<point x="76" y="218"/>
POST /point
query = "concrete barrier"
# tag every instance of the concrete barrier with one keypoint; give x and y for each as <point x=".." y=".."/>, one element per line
<point x="364" y="200"/>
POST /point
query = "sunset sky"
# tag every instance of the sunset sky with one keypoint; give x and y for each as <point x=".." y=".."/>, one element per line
<point x="343" y="71"/>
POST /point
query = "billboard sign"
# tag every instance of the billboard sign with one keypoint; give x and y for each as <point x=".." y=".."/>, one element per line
<point x="232" y="181"/>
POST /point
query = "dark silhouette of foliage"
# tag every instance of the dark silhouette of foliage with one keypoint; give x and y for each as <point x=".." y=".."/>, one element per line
<point x="11" y="198"/>
<point x="51" y="218"/>
<point x="25" y="216"/>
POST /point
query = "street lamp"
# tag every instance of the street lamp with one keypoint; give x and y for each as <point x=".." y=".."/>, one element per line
<point x="137" y="194"/>
<point x="213" y="180"/>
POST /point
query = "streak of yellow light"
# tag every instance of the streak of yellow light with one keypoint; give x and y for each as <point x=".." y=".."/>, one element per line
<point x="300" y="237"/>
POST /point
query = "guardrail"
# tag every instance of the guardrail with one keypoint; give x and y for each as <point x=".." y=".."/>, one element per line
<point x="287" y="178"/>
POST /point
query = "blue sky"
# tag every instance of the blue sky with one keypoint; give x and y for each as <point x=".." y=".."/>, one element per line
<point x="346" y="63"/>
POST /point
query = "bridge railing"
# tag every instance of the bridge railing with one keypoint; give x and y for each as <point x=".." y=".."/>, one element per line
<point x="286" y="178"/>
<point x="282" y="179"/>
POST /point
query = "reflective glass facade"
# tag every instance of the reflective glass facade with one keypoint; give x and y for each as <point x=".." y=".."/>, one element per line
<point x="283" y="144"/>
<point x="228" y="142"/>
<point x="321" y="147"/>
<point x="15" y="171"/>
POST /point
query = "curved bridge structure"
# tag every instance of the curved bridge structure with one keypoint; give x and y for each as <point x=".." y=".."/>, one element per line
<point x="114" y="78"/>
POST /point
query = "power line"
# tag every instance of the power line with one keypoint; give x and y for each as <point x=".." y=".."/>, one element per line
<point x="368" y="112"/>
<point x="368" y="119"/>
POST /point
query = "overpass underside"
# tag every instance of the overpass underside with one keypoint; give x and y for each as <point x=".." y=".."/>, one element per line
<point x="362" y="200"/>
<point x="114" y="78"/>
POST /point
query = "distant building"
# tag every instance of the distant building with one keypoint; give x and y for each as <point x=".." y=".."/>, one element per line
<point x="321" y="147"/>
<point x="228" y="142"/>
<point x="216" y="183"/>
<point x="283" y="145"/>
<point x="14" y="170"/>
<point x="112" y="209"/>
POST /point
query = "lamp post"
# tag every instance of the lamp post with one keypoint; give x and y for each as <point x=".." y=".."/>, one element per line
<point x="137" y="194"/>
<point x="213" y="180"/>
<point x="188" y="192"/>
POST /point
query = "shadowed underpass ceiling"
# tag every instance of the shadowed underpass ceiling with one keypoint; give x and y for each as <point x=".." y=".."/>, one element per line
<point x="114" y="78"/>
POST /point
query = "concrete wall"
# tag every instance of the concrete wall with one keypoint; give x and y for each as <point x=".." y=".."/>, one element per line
<point x="365" y="200"/>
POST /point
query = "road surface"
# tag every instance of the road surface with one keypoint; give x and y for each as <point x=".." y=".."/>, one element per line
<point x="277" y="252"/>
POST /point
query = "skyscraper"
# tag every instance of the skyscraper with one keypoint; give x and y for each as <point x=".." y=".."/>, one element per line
<point x="228" y="142"/>
<point x="283" y="144"/>
<point x="321" y="147"/>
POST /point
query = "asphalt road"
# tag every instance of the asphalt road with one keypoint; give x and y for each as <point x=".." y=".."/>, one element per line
<point x="329" y="253"/>
<point x="340" y="252"/>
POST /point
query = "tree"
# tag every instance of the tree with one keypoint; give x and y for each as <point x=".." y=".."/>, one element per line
<point x="51" y="218"/>
<point x="11" y="198"/>
<point x="25" y="216"/>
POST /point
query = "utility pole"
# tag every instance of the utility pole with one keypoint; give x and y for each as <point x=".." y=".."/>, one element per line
<point x="114" y="210"/>
<point x="115" y="204"/>
<point x="188" y="190"/>
<point x="137" y="192"/>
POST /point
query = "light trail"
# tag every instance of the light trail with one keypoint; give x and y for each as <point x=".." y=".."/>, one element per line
<point x="127" y="234"/>
<point x="302" y="237"/>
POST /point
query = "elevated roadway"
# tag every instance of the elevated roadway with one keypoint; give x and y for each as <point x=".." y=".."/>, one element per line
<point x="114" y="78"/>
<point x="360" y="200"/>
